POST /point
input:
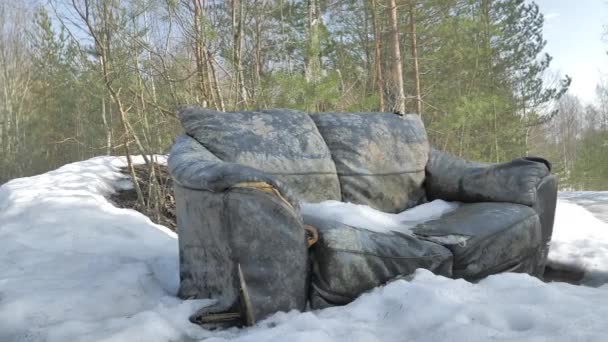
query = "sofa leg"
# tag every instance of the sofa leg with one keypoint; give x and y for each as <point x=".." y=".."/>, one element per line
<point x="216" y="318"/>
<point x="246" y="307"/>
<point x="243" y="316"/>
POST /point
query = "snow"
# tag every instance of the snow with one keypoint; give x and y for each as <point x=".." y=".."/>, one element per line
<point x="365" y="217"/>
<point x="431" y="308"/>
<point x="580" y="238"/>
<point x="74" y="267"/>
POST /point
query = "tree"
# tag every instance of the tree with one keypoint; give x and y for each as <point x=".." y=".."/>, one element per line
<point x="313" y="57"/>
<point x="414" y="48"/>
<point x="566" y="129"/>
<point x="237" y="28"/>
<point x="378" y="56"/>
<point x="97" y="77"/>
<point x="15" y="83"/>
<point x="398" y="90"/>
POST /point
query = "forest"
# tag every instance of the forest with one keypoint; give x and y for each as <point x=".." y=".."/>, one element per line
<point x="82" y="78"/>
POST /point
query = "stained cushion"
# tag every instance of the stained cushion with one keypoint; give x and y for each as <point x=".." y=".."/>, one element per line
<point x="380" y="157"/>
<point x="347" y="261"/>
<point x="487" y="238"/>
<point x="282" y="143"/>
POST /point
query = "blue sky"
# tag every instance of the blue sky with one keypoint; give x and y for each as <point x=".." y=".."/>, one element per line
<point x="573" y="30"/>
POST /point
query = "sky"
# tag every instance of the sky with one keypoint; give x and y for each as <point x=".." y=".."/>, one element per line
<point x="573" y="30"/>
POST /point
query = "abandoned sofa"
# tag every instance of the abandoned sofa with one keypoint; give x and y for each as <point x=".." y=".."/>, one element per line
<point x="240" y="178"/>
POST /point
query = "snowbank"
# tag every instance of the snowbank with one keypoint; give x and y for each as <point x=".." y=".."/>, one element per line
<point x="430" y="308"/>
<point x="580" y="239"/>
<point x="75" y="268"/>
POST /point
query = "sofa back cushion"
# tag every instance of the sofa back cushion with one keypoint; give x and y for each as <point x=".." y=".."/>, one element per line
<point x="283" y="143"/>
<point x="380" y="157"/>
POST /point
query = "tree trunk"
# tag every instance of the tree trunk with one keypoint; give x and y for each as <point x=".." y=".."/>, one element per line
<point x="485" y="13"/>
<point x="414" y="48"/>
<point x="398" y="91"/>
<point x="106" y="126"/>
<point x="199" y="53"/>
<point x="313" y="65"/>
<point x="378" y="57"/>
<point x="214" y="83"/>
<point x="237" y="30"/>
<point x="257" y="72"/>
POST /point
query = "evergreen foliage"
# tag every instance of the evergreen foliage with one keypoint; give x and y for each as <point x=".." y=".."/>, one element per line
<point x="94" y="77"/>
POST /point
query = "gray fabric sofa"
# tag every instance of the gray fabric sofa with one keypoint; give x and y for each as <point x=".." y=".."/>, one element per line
<point x="240" y="177"/>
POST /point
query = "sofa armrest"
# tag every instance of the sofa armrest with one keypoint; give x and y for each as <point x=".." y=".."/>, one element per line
<point x="193" y="166"/>
<point x="230" y="216"/>
<point x="454" y="179"/>
<point x="545" y="205"/>
<point x="242" y="227"/>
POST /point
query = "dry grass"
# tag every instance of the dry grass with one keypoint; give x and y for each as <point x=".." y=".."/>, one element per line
<point x="157" y="187"/>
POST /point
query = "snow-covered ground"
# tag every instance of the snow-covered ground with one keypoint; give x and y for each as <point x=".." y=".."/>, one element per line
<point x="75" y="268"/>
<point x="580" y="236"/>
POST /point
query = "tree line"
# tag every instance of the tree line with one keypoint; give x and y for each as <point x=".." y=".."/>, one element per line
<point x="576" y="141"/>
<point x="82" y="78"/>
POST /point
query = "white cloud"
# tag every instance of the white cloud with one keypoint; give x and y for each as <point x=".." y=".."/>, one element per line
<point x="551" y="15"/>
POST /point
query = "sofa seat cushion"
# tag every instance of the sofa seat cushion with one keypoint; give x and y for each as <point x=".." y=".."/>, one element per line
<point x="487" y="238"/>
<point x="348" y="261"/>
<point x="283" y="143"/>
<point x="380" y="157"/>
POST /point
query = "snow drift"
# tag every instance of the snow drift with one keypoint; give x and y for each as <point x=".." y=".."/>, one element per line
<point x="76" y="268"/>
<point x="365" y="217"/>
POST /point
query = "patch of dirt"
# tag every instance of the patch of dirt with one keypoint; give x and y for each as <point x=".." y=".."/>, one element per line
<point x="157" y="191"/>
<point x="563" y="273"/>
